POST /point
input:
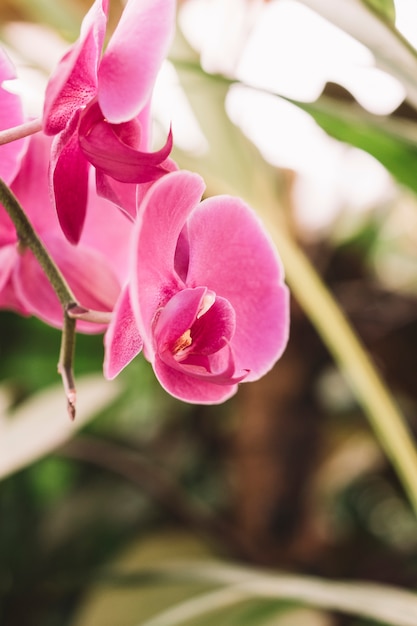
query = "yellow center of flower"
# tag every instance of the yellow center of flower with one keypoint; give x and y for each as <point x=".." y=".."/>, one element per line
<point x="182" y="343"/>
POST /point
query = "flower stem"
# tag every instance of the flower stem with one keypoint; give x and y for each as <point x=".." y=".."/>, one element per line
<point x="28" y="238"/>
<point x="18" y="132"/>
<point x="66" y="358"/>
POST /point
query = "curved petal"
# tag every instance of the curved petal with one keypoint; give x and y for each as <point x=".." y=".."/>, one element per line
<point x="69" y="171"/>
<point x="122" y="341"/>
<point x="33" y="289"/>
<point x="123" y="195"/>
<point x="160" y="221"/>
<point x="31" y="185"/>
<point x="7" y="229"/>
<point x="214" y="328"/>
<point x="177" y="317"/>
<point x="133" y="57"/>
<point x="74" y="81"/>
<point x="189" y="388"/>
<point x="11" y="114"/>
<point x="104" y="146"/>
<point x="8" y="260"/>
<point x="231" y="253"/>
<point x="97" y="288"/>
<point x="112" y="237"/>
<point x="194" y="322"/>
<point x="8" y="296"/>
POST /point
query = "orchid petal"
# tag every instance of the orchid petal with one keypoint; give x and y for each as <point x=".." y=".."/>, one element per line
<point x="11" y="114"/>
<point x="123" y="195"/>
<point x="31" y="186"/>
<point x="190" y="388"/>
<point x="7" y="229"/>
<point x="74" y="81"/>
<point x="133" y="57"/>
<point x="160" y="221"/>
<point x="127" y="196"/>
<point x="218" y="368"/>
<point x="177" y="316"/>
<point x="112" y="238"/>
<point x="69" y="170"/>
<point x="182" y="254"/>
<point x="122" y="340"/>
<point x="8" y="257"/>
<point x="8" y="297"/>
<point x="216" y="327"/>
<point x="34" y="290"/>
<point x="97" y="288"/>
<point x="231" y="253"/>
<point x="104" y="147"/>
<point x="207" y="321"/>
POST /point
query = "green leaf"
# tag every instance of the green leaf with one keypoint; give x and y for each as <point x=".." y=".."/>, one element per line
<point x="392" y="141"/>
<point x="386" y="8"/>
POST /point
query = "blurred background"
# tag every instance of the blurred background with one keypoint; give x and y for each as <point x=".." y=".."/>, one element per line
<point x="274" y="102"/>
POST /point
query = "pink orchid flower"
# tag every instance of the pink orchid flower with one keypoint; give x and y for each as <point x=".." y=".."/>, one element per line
<point x="11" y="114"/>
<point x="99" y="109"/>
<point x="95" y="270"/>
<point x="207" y="294"/>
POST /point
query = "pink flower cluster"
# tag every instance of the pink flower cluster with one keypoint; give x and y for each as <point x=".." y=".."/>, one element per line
<point x="197" y="285"/>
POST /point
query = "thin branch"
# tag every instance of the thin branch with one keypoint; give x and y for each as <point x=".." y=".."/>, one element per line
<point x="18" y="132"/>
<point x="66" y="358"/>
<point x="28" y="238"/>
<point x="78" y="312"/>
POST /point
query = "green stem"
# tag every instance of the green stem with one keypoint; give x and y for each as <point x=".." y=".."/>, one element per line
<point x="66" y="358"/>
<point x="29" y="239"/>
<point x="352" y="357"/>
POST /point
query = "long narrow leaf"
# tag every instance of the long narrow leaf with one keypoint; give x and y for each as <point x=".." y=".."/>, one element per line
<point x="386" y="604"/>
<point x="41" y="423"/>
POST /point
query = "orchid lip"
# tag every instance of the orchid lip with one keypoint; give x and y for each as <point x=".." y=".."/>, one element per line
<point x="193" y="334"/>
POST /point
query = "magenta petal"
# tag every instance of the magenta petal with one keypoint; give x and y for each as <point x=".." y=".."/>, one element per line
<point x="135" y="52"/>
<point x="35" y="292"/>
<point x="123" y="195"/>
<point x="97" y="289"/>
<point x="8" y="259"/>
<point x="218" y="368"/>
<point x="189" y="388"/>
<point x="208" y="323"/>
<point x="89" y="273"/>
<point x="122" y="340"/>
<point x="9" y="299"/>
<point x="160" y="221"/>
<point x="103" y="145"/>
<point x="69" y="170"/>
<point x="216" y="327"/>
<point x="74" y="81"/>
<point x="177" y="316"/>
<point x="7" y="229"/>
<point x="11" y="114"/>
<point x="31" y="185"/>
<point x="231" y="253"/>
